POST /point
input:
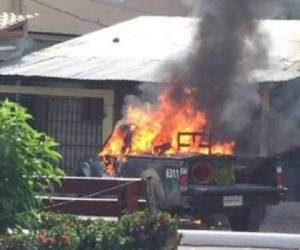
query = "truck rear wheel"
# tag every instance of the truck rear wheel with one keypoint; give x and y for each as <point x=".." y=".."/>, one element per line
<point x="247" y="219"/>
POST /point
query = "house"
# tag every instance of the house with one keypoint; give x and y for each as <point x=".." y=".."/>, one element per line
<point x="13" y="34"/>
<point x="61" y="20"/>
<point x="76" y="89"/>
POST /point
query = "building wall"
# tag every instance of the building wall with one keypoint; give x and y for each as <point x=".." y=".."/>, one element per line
<point x="37" y="41"/>
<point x="282" y="130"/>
<point x="12" y="47"/>
<point x="37" y="44"/>
<point x="284" y="116"/>
<point x="59" y="16"/>
<point x="81" y="16"/>
<point x="15" y="6"/>
<point x="80" y="119"/>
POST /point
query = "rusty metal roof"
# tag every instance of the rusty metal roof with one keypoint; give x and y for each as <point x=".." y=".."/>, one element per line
<point x="140" y="49"/>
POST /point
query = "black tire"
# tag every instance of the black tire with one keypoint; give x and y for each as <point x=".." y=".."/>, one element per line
<point x="246" y="220"/>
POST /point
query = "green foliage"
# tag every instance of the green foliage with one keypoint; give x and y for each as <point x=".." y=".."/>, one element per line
<point x="138" y="231"/>
<point x="147" y="231"/>
<point x="25" y="155"/>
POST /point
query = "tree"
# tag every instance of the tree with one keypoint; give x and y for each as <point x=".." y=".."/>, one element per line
<point x="25" y="156"/>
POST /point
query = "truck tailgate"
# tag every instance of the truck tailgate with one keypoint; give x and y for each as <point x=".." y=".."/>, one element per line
<point x="213" y="197"/>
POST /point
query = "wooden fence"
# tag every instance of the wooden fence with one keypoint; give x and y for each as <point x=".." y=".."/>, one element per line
<point x="97" y="196"/>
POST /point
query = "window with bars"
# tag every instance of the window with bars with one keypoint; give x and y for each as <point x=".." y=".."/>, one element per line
<point x="75" y="123"/>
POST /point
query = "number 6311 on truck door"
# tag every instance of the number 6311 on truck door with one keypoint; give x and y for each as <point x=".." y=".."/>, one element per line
<point x="172" y="173"/>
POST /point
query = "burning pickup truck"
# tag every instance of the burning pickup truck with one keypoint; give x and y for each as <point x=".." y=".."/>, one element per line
<point x="190" y="174"/>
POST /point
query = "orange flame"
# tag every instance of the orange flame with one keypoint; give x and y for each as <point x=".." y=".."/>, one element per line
<point x="197" y="222"/>
<point x="154" y="128"/>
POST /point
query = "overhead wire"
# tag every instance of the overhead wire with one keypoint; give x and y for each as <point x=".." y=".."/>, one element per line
<point x="104" y="25"/>
<point x="82" y="197"/>
<point x="98" y="22"/>
<point x="125" y="7"/>
<point x="190" y="48"/>
<point x="91" y="195"/>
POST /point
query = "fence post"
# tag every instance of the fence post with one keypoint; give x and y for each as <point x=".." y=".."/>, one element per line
<point x="150" y="197"/>
<point x="132" y="196"/>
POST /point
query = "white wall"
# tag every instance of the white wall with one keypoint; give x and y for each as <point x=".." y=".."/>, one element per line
<point x="15" y="6"/>
<point x="83" y="16"/>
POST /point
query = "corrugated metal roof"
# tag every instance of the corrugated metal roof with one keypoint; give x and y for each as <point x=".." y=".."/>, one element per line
<point x="10" y="19"/>
<point x="136" y="50"/>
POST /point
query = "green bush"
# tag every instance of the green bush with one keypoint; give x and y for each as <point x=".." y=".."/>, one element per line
<point x="147" y="231"/>
<point x="25" y="155"/>
<point x="138" y="231"/>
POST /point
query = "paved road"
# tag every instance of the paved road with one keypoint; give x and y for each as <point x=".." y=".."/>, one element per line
<point x="283" y="218"/>
<point x="222" y="248"/>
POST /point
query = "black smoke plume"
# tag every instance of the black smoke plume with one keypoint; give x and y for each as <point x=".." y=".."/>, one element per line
<point x="228" y="46"/>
